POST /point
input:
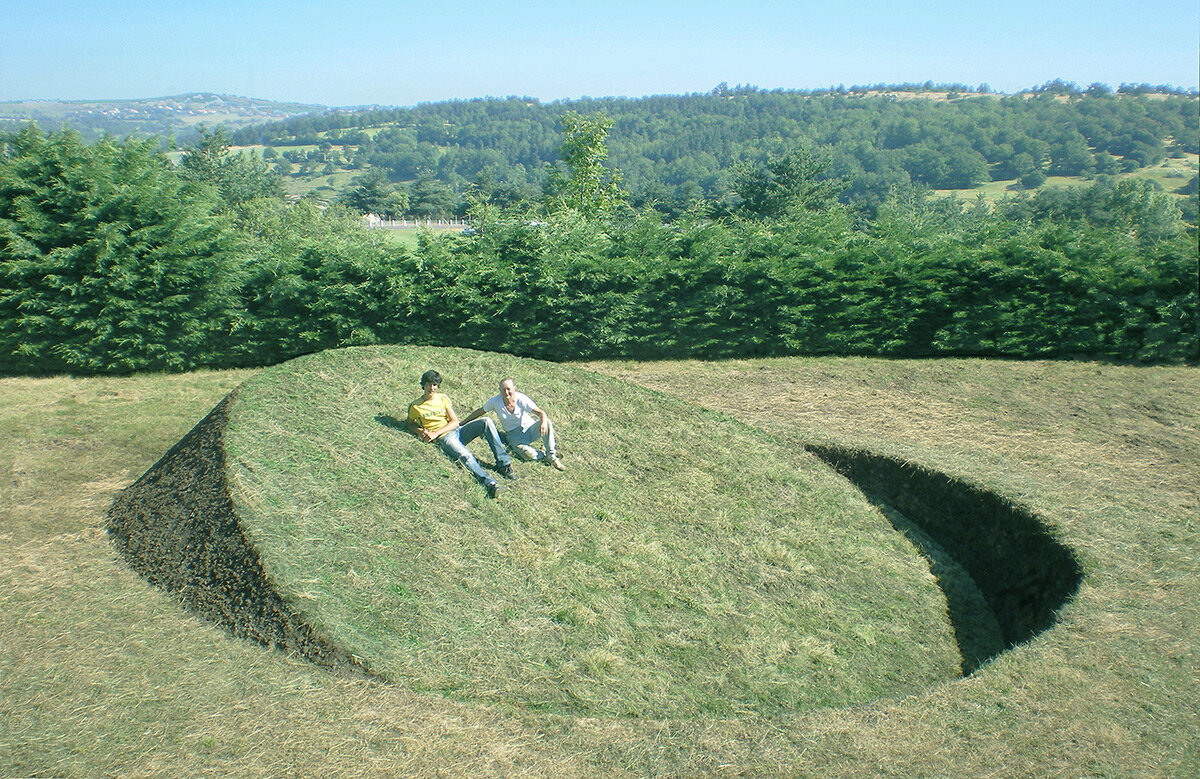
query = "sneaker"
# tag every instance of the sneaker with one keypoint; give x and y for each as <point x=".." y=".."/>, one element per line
<point x="507" y="472"/>
<point x="493" y="489"/>
<point x="526" y="452"/>
<point x="552" y="459"/>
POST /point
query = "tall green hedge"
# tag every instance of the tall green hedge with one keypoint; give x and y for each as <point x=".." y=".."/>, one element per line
<point x="111" y="262"/>
<point x="568" y="290"/>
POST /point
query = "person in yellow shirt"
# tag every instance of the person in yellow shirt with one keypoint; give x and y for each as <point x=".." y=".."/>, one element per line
<point x="431" y="418"/>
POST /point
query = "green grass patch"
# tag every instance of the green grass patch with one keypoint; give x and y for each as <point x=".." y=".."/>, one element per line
<point x="340" y="180"/>
<point x="1170" y="174"/>
<point x="684" y="565"/>
<point x="101" y="674"/>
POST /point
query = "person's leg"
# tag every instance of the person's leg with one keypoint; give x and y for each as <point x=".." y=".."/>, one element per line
<point x="522" y="442"/>
<point x="551" y="456"/>
<point x="485" y="427"/>
<point x="525" y="452"/>
<point x="533" y="434"/>
<point x="453" y="446"/>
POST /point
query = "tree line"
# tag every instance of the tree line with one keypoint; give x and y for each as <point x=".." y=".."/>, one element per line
<point x="113" y="260"/>
<point x="675" y="150"/>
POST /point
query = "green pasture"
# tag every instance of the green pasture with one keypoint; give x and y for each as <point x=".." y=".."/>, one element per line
<point x="1171" y="174"/>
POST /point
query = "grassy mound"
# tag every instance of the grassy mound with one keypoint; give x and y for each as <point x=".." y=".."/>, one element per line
<point x="103" y="675"/>
<point x="684" y="564"/>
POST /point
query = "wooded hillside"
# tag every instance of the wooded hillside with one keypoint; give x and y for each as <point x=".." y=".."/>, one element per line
<point x="674" y="150"/>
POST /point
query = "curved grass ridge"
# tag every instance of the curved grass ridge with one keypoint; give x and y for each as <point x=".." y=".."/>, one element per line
<point x="177" y="527"/>
<point x="684" y="565"/>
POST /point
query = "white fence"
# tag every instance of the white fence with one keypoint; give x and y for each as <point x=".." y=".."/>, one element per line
<point x="373" y="221"/>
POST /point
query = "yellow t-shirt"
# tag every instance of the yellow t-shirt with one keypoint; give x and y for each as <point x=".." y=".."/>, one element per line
<point x="432" y="414"/>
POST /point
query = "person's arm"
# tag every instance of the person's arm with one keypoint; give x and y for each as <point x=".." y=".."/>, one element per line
<point x="476" y="414"/>
<point x="412" y="423"/>
<point x="543" y="420"/>
<point x="420" y="432"/>
<point x="451" y="421"/>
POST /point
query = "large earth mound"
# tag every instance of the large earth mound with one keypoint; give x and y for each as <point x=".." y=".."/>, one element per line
<point x="683" y="565"/>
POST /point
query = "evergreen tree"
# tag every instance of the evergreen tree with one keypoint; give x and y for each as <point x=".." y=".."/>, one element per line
<point x="374" y="194"/>
<point x="429" y="198"/>
<point x="109" y="261"/>
<point x="238" y="177"/>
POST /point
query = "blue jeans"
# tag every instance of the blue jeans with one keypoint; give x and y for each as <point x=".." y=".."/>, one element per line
<point x="454" y="444"/>
<point x="515" y="438"/>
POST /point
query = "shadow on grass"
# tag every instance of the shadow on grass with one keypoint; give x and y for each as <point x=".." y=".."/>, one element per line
<point x="1005" y="576"/>
<point x="388" y="420"/>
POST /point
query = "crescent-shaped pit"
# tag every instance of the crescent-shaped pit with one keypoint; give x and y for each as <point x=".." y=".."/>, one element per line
<point x="684" y="565"/>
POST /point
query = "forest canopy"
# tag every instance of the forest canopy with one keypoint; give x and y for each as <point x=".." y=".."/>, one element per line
<point x="674" y="150"/>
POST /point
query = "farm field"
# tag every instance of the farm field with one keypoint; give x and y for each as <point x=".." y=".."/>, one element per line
<point x="1170" y="174"/>
<point x="103" y="674"/>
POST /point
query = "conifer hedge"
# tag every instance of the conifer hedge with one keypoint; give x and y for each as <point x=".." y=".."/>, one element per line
<point x="110" y="262"/>
<point x="566" y="290"/>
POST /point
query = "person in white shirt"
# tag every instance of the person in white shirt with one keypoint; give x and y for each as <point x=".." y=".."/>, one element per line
<point x="521" y="424"/>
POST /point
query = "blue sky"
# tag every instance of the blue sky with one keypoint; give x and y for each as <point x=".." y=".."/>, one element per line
<point x="403" y="53"/>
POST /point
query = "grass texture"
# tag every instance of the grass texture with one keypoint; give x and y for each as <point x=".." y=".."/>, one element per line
<point x="101" y="674"/>
<point x="685" y="565"/>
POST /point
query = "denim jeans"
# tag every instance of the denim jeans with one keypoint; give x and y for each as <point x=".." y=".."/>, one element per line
<point x="454" y="444"/>
<point x="515" y="438"/>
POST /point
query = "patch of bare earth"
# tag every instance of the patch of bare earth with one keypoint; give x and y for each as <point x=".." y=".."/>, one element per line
<point x="176" y="526"/>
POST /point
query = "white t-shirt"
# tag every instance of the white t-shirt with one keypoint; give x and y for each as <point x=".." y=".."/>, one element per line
<point x="519" y="418"/>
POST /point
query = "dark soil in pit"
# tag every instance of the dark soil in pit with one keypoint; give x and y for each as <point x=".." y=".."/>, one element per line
<point x="176" y="526"/>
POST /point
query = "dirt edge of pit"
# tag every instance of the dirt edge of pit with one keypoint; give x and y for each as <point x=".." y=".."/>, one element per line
<point x="177" y="527"/>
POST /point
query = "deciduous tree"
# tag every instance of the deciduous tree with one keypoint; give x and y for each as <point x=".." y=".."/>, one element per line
<point x="588" y="186"/>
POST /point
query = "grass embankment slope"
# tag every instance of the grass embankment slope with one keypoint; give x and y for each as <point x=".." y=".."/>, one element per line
<point x="685" y="565"/>
<point x="103" y="674"/>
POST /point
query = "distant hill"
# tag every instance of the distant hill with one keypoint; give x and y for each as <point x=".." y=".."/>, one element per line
<point x="175" y="117"/>
<point x="674" y="149"/>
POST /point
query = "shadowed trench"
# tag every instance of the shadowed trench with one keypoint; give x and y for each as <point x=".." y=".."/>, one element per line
<point x="1004" y="575"/>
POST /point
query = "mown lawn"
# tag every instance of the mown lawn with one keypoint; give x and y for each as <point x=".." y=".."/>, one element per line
<point x="665" y="574"/>
<point x="101" y="674"/>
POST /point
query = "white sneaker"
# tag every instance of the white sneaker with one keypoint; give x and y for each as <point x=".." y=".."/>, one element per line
<point x="526" y="452"/>
<point x="552" y="459"/>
